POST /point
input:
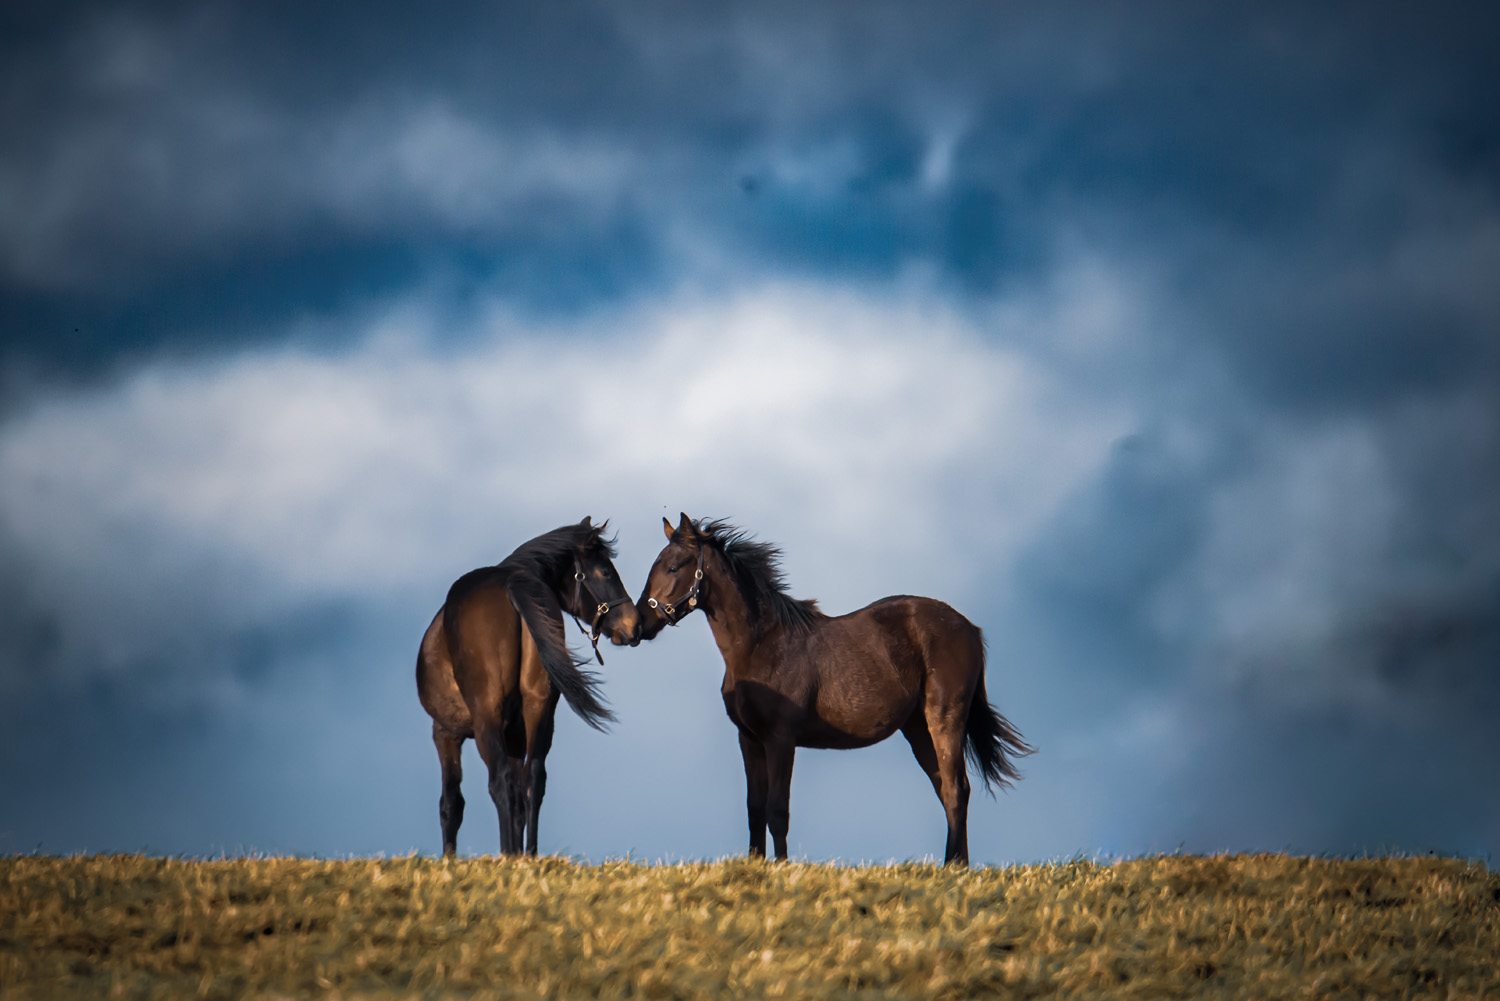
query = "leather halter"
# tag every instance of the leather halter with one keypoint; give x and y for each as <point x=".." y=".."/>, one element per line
<point x="674" y="611"/>
<point x="601" y="608"/>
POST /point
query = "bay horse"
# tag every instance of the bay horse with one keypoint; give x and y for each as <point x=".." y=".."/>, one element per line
<point x="495" y="659"/>
<point x="797" y="677"/>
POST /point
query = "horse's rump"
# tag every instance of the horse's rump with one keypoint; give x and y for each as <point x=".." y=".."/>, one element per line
<point x="436" y="687"/>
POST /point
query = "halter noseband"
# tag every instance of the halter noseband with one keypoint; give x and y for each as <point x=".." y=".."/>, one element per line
<point x="673" y="611"/>
<point x="601" y="608"/>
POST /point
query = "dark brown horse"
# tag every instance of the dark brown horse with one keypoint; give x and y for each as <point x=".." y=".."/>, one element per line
<point x="795" y="677"/>
<point x="495" y="659"/>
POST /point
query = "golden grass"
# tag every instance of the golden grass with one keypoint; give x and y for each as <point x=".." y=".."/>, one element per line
<point x="1234" y="926"/>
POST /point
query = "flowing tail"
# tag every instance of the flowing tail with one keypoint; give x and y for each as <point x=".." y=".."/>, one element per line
<point x="990" y="741"/>
<point x="539" y="609"/>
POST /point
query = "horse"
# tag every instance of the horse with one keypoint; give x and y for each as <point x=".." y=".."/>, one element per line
<point x="495" y="659"/>
<point x="797" y="677"/>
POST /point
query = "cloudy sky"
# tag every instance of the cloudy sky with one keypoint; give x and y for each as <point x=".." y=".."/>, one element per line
<point x="1162" y="340"/>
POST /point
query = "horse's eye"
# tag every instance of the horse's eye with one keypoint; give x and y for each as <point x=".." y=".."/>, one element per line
<point x="674" y="568"/>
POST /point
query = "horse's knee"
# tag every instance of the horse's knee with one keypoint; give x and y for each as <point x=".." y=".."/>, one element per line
<point x="779" y="818"/>
<point x="755" y="799"/>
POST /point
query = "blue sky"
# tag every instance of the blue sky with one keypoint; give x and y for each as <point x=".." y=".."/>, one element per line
<point x="1162" y="341"/>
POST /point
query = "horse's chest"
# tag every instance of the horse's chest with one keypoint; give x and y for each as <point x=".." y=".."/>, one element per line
<point x="740" y="712"/>
<point x="757" y="709"/>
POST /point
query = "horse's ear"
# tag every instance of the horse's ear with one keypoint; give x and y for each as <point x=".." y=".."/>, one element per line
<point x="666" y="526"/>
<point x="685" y="527"/>
<point x="588" y="521"/>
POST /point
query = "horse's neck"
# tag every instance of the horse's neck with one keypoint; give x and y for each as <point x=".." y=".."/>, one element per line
<point x="559" y="583"/>
<point x="729" y="618"/>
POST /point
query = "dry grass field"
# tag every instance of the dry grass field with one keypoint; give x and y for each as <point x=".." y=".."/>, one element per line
<point x="1265" y="926"/>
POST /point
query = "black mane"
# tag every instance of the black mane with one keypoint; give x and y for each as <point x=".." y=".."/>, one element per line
<point x="551" y="553"/>
<point x="756" y="568"/>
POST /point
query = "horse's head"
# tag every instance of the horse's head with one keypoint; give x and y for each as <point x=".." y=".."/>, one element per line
<point x="597" y="595"/>
<point x="676" y="577"/>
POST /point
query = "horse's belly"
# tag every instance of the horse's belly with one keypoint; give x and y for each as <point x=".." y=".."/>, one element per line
<point x="822" y="733"/>
<point x="857" y="715"/>
<point x="864" y="709"/>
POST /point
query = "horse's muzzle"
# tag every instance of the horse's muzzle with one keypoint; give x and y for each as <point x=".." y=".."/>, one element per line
<point x="627" y="632"/>
<point x="651" y="619"/>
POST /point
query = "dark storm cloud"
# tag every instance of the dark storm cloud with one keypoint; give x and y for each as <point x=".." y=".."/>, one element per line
<point x="180" y="173"/>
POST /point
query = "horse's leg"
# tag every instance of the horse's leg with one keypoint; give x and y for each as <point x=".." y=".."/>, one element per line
<point x="538" y="711"/>
<point x="518" y="797"/>
<point x="489" y="735"/>
<point x="536" y="780"/>
<point x="916" y="734"/>
<point x="540" y="720"/>
<point x="756" y="790"/>
<point x="779" y="756"/>
<point x="451" y="806"/>
<point x="946" y="730"/>
<point x="515" y="763"/>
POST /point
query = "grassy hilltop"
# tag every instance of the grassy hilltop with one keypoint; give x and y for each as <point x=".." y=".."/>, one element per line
<point x="1234" y="926"/>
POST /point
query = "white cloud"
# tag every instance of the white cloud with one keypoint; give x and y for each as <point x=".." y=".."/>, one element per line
<point x="886" y="444"/>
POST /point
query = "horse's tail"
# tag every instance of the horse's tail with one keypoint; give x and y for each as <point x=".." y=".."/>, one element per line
<point x="990" y="740"/>
<point x="539" y="609"/>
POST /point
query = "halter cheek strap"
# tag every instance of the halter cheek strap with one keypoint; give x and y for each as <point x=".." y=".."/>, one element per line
<point x="601" y="609"/>
<point x="675" y="611"/>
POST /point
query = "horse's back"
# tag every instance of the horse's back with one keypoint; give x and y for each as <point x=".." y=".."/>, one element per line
<point x="914" y="621"/>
